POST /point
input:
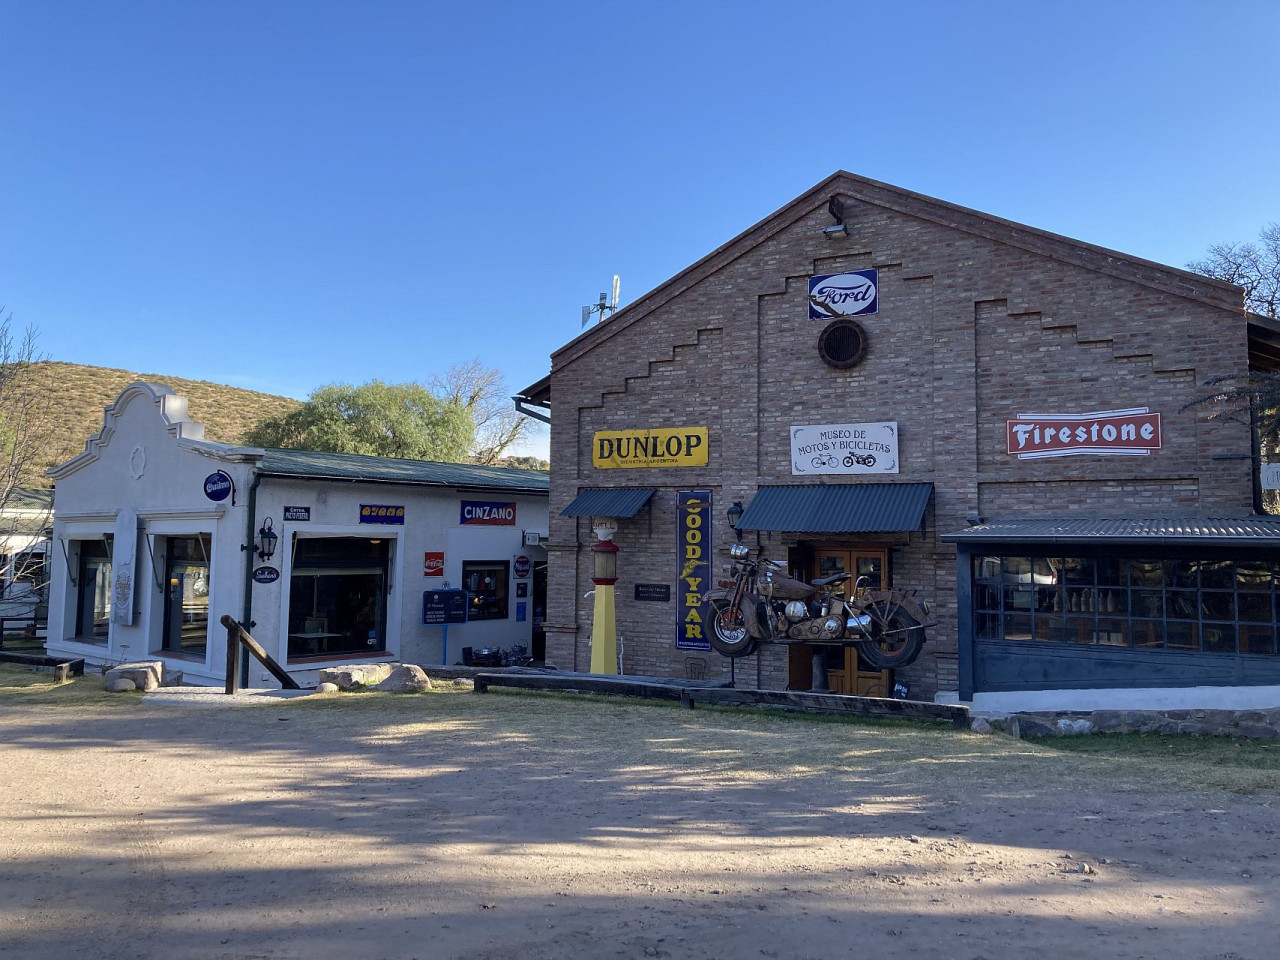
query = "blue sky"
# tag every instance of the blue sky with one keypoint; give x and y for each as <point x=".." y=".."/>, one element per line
<point x="278" y="195"/>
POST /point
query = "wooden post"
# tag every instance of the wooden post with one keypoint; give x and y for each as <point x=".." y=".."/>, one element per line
<point x="233" y="654"/>
<point x="240" y="635"/>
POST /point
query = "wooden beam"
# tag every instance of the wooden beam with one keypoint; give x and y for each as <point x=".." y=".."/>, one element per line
<point x="74" y="668"/>
<point x="252" y="645"/>
<point x="957" y="716"/>
<point x="654" y="688"/>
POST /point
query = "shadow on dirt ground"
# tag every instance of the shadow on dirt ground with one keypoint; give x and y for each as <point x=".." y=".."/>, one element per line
<point x="458" y="825"/>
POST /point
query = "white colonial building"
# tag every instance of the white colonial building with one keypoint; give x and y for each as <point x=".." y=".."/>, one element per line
<point x="327" y="559"/>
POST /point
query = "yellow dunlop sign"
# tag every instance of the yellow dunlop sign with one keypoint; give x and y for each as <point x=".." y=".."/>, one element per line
<point x="659" y="447"/>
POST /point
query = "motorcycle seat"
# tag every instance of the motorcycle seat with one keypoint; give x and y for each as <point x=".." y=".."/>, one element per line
<point x="828" y="581"/>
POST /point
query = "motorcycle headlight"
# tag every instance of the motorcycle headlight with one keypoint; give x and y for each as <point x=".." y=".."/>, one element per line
<point x="739" y="551"/>
<point x="796" y="610"/>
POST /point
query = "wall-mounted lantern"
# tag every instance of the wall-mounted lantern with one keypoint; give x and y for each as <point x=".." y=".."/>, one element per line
<point x="735" y="516"/>
<point x="266" y="540"/>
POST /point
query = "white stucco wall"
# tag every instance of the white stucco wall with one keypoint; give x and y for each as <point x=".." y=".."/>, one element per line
<point x="149" y="463"/>
<point x="139" y="467"/>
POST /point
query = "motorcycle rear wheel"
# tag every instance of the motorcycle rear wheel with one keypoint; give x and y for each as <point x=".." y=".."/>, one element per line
<point x="728" y="629"/>
<point x="896" y="637"/>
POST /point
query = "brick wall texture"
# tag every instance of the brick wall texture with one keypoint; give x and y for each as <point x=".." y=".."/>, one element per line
<point x="979" y="320"/>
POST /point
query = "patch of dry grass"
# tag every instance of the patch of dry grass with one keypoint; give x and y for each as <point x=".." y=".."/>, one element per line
<point x="606" y="732"/>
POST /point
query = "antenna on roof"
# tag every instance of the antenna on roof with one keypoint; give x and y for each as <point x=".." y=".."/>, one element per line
<point x="605" y="306"/>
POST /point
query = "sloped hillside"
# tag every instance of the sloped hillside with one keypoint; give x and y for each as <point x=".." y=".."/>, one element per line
<point x="79" y="393"/>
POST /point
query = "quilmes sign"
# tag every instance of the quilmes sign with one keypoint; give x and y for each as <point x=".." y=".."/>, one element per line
<point x="843" y="295"/>
<point x="218" y="486"/>
<point x="657" y="447"/>
<point x="1116" y="433"/>
<point x="485" y="513"/>
<point x="693" y="576"/>
<point x="844" y="448"/>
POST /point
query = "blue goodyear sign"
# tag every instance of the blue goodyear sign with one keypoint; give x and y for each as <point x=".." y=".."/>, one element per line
<point x="843" y="295"/>
<point x="693" y="572"/>
<point x="382" y="513"/>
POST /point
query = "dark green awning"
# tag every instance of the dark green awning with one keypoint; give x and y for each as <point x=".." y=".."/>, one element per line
<point x="838" y="508"/>
<point x="608" y="502"/>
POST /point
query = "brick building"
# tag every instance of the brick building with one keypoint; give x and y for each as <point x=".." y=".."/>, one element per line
<point x="1032" y="471"/>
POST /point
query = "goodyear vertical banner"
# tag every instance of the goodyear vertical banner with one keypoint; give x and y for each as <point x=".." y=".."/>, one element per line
<point x="693" y="569"/>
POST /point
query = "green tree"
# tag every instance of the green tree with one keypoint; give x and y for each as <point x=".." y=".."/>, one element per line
<point x="402" y="420"/>
<point x="483" y="392"/>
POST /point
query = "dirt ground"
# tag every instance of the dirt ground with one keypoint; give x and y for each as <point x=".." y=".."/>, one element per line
<point x="499" y="826"/>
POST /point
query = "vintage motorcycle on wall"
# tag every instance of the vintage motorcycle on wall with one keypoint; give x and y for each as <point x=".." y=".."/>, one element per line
<point x="764" y="605"/>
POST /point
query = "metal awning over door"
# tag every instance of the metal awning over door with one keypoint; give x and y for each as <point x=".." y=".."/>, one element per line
<point x="838" y="508"/>
<point x="608" y="502"/>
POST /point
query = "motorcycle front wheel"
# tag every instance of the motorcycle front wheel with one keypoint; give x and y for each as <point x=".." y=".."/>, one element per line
<point x="728" y="629"/>
<point x="896" y="637"/>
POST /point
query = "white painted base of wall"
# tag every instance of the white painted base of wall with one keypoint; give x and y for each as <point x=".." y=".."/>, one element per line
<point x="1131" y="698"/>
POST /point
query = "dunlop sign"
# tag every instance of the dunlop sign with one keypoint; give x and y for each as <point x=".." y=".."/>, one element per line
<point x="659" y="447"/>
<point x="693" y="568"/>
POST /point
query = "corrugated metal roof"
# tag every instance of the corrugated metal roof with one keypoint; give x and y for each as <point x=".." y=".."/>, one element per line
<point x="608" y="502"/>
<point x="1251" y="530"/>
<point x="346" y="466"/>
<point x="838" y="508"/>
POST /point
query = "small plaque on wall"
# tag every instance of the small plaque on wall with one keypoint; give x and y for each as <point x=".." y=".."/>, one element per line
<point x="654" y="591"/>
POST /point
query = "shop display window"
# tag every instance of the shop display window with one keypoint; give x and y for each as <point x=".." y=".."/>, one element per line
<point x="1215" y="606"/>
<point x="486" y="584"/>
<point x="338" y="596"/>
<point x="92" y="588"/>
<point x="186" y="598"/>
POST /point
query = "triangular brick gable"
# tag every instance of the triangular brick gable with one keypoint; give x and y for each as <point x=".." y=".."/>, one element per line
<point x="1181" y="283"/>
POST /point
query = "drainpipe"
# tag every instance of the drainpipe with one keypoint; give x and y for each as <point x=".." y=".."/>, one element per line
<point x="1255" y="455"/>
<point x="247" y="618"/>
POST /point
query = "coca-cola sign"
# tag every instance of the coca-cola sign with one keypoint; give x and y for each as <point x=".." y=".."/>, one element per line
<point x="843" y="295"/>
<point x="1134" y="432"/>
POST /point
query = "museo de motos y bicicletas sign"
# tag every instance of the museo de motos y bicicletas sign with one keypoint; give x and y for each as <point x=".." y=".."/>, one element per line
<point x="1133" y="432"/>
<point x="844" y="448"/>
<point x="653" y="447"/>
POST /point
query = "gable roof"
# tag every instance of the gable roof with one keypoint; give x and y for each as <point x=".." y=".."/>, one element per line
<point x="312" y="465"/>
<point x="1182" y="283"/>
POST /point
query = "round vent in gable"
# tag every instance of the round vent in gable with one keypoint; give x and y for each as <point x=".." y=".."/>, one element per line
<point x="842" y="344"/>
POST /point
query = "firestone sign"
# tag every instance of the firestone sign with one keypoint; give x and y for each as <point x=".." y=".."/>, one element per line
<point x="843" y="295"/>
<point x="1134" y="432"/>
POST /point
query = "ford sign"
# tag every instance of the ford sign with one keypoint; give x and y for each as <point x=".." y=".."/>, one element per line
<point x="843" y="295"/>
<point x="217" y="486"/>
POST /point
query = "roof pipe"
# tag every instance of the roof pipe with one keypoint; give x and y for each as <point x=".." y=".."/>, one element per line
<point x="247" y="619"/>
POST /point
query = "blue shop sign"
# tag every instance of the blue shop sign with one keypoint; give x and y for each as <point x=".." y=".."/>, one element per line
<point x="218" y="486"/>
<point x="444" y="606"/>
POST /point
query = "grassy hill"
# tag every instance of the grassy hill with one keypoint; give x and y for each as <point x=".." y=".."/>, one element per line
<point x="79" y="393"/>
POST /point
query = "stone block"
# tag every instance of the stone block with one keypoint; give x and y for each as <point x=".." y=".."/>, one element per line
<point x="357" y="676"/>
<point x="1074" y="727"/>
<point x="145" y="674"/>
<point x="1256" y="731"/>
<point x="120" y="685"/>
<point x="406" y="678"/>
<point x="327" y="688"/>
<point x="980" y="725"/>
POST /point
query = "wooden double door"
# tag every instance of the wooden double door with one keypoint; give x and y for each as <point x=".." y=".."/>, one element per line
<point x="844" y="672"/>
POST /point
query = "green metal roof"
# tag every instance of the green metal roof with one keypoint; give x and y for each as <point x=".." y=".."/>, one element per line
<point x="347" y="466"/>
<point x="838" y="508"/>
<point x="608" y="502"/>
